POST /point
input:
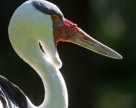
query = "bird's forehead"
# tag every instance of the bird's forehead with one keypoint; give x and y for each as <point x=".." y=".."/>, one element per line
<point x="47" y="7"/>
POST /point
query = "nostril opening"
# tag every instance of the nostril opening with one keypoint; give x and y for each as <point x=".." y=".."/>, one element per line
<point x="41" y="47"/>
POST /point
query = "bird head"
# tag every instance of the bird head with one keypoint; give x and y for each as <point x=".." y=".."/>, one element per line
<point x="39" y="22"/>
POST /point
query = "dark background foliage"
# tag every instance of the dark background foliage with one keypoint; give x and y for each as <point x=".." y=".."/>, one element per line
<point x="93" y="81"/>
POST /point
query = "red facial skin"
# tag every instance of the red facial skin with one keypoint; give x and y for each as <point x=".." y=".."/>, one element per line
<point x="64" y="31"/>
<point x="67" y="30"/>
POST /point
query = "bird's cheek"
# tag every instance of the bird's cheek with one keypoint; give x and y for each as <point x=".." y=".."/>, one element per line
<point x="61" y="34"/>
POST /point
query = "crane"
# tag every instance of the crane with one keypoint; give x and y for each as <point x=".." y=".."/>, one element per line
<point x="34" y="31"/>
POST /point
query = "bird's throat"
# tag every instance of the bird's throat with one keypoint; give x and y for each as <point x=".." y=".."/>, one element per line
<point x="55" y="88"/>
<point x="54" y="84"/>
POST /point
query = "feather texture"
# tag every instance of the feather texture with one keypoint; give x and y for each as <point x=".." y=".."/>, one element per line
<point x="11" y="96"/>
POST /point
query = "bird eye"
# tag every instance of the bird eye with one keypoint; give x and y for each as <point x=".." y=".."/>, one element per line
<point x="54" y="17"/>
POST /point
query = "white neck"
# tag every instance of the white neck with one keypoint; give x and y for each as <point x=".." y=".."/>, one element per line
<point x="55" y="88"/>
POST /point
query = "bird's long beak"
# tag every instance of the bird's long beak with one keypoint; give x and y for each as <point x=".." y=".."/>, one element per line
<point x="69" y="32"/>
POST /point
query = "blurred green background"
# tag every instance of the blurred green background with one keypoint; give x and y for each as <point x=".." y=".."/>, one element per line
<point x="93" y="81"/>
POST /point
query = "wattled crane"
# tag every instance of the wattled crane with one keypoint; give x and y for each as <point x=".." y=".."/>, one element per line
<point x="34" y="30"/>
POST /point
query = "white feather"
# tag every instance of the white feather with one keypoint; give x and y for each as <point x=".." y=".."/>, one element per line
<point x="27" y="28"/>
